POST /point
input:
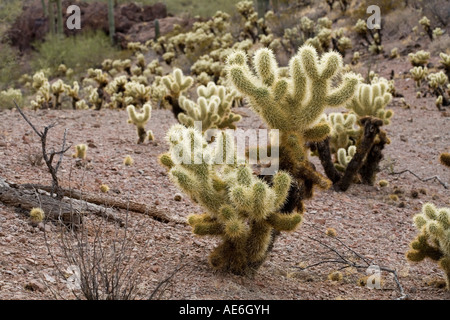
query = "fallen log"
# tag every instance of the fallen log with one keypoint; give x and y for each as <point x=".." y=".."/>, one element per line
<point x="111" y="202"/>
<point x="27" y="199"/>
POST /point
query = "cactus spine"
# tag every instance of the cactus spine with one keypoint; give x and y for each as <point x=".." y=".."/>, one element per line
<point x="240" y="208"/>
<point x="433" y="240"/>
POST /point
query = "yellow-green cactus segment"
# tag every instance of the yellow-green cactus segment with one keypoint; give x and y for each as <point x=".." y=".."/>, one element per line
<point x="371" y="100"/>
<point x="177" y="83"/>
<point x="80" y="151"/>
<point x="343" y="132"/>
<point x="344" y="157"/>
<point x="293" y="104"/>
<point x="433" y="240"/>
<point x="140" y="120"/>
<point x="240" y="208"/>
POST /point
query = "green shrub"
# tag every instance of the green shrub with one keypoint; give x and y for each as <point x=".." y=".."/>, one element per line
<point x="8" y="97"/>
<point x="9" y="66"/>
<point x="81" y="52"/>
<point x="9" y="10"/>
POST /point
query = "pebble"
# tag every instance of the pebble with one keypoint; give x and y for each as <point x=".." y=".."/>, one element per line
<point x="178" y="197"/>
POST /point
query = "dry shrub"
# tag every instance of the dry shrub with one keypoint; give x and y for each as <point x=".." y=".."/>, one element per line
<point x="399" y="24"/>
<point x="441" y="45"/>
<point x="358" y="9"/>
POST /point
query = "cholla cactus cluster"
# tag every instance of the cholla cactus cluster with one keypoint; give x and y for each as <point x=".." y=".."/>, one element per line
<point x="438" y="83"/>
<point x="419" y="59"/>
<point x="371" y="100"/>
<point x="43" y="98"/>
<point x="213" y="108"/>
<point x="240" y="208"/>
<point x="445" y="61"/>
<point x="433" y="240"/>
<point x="433" y="34"/>
<point x="371" y="36"/>
<point x="254" y="26"/>
<point x="344" y="132"/>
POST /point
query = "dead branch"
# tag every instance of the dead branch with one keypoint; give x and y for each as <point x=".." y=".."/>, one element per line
<point x="28" y="198"/>
<point x="444" y="184"/>
<point x="162" y="285"/>
<point x="48" y="157"/>
<point x="132" y="206"/>
<point x="354" y="260"/>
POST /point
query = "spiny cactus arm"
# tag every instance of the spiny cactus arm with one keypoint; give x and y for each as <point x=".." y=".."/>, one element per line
<point x="229" y="121"/>
<point x="204" y="225"/>
<point x="139" y="119"/>
<point x="284" y="221"/>
<point x="260" y="96"/>
<point x="318" y="132"/>
<point x="421" y="249"/>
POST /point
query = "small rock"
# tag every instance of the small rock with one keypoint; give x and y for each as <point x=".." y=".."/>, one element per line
<point x="44" y="227"/>
<point x="178" y="197"/>
<point x="157" y="202"/>
<point x="155" y="269"/>
<point x="34" y="286"/>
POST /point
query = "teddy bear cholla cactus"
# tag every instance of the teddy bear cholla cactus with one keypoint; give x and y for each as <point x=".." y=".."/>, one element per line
<point x="418" y="74"/>
<point x="213" y="108"/>
<point x="176" y="83"/>
<point x="343" y="131"/>
<point x="433" y="241"/>
<point x="437" y="84"/>
<point x="344" y="157"/>
<point x="371" y="100"/>
<point x="240" y="208"/>
<point x="419" y="59"/>
<point x="294" y="105"/>
<point x="445" y="61"/>
<point x="140" y="120"/>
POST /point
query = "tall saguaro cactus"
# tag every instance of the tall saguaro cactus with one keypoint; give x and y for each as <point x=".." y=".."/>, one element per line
<point x="112" y="26"/>
<point x="51" y="17"/>
<point x="59" y="18"/>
